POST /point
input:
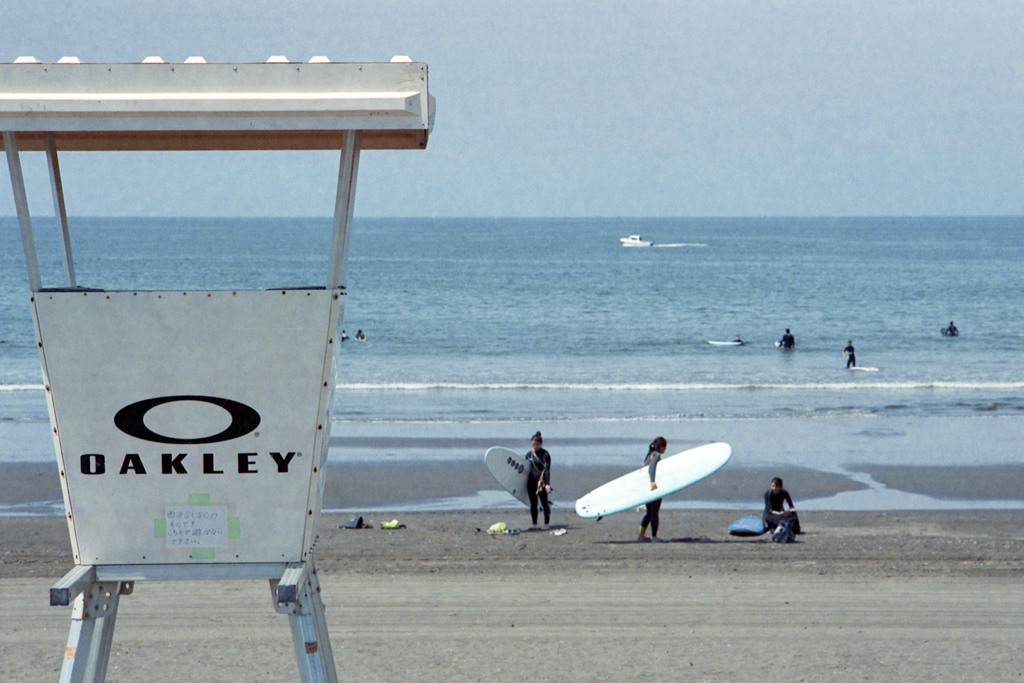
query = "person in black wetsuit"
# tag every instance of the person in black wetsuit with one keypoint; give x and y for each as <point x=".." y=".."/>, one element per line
<point x="788" y="341"/>
<point x="776" y="512"/>
<point x="538" y="482"/>
<point x="851" y="358"/>
<point x="654" y="453"/>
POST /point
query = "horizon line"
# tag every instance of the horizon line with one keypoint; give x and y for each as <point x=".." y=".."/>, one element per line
<point x="548" y="217"/>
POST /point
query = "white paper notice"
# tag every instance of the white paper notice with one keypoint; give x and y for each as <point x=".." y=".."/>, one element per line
<point x="196" y="526"/>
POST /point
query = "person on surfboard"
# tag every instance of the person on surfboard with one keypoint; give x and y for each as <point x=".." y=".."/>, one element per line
<point x="775" y="511"/>
<point x="538" y="482"/>
<point x="654" y="453"/>
<point x="851" y="358"/>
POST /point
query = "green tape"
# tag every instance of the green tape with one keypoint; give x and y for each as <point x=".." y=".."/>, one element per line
<point x="199" y="499"/>
<point x="159" y="528"/>
<point x="203" y="553"/>
<point x="234" y="527"/>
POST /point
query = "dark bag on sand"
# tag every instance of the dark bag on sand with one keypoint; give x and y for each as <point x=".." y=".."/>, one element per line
<point x="784" y="533"/>
<point x="354" y="523"/>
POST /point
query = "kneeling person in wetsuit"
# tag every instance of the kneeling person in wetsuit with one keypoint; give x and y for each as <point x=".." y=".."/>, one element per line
<point x="776" y="513"/>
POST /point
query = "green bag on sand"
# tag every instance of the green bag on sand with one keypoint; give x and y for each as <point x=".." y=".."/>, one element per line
<point x="498" y="528"/>
<point x="393" y="524"/>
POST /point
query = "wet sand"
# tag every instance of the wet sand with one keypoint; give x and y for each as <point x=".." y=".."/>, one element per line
<point x="400" y="483"/>
<point x="358" y="486"/>
<point x="862" y="596"/>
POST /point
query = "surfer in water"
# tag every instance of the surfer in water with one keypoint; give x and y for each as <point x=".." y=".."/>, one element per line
<point x="538" y="483"/>
<point x="787" y="341"/>
<point x="851" y="358"/>
<point x="654" y="453"/>
<point x="775" y="512"/>
<point x="951" y="331"/>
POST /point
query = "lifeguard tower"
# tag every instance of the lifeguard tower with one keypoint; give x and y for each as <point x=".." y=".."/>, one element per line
<point x="191" y="427"/>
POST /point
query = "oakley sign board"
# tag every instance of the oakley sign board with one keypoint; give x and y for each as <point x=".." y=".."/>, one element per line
<point x="190" y="426"/>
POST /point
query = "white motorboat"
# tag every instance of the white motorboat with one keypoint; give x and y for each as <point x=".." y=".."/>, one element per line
<point x="634" y="241"/>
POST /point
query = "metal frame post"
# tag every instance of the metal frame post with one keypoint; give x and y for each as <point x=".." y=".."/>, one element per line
<point x="344" y="205"/>
<point x="96" y="590"/>
<point x="57" y="189"/>
<point x="310" y="637"/>
<point x="28" y="241"/>
<point x="92" y="632"/>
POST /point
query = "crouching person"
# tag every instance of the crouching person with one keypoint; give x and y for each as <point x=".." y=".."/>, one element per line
<point x="779" y="509"/>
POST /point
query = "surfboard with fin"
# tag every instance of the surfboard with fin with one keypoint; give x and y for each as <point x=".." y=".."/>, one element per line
<point x="674" y="473"/>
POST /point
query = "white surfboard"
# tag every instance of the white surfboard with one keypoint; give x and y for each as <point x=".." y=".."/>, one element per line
<point x="864" y="369"/>
<point x="726" y="343"/>
<point x="510" y="469"/>
<point x="674" y="473"/>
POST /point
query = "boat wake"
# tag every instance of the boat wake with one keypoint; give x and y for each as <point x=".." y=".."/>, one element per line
<point x="692" y="245"/>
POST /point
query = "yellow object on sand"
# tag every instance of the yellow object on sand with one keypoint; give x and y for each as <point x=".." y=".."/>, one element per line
<point x="498" y="528"/>
<point x="393" y="524"/>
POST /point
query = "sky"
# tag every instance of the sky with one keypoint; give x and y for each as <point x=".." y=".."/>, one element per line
<point x="589" y="109"/>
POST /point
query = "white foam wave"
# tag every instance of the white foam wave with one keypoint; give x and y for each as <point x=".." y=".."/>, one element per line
<point x="21" y="387"/>
<point x="642" y="387"/>
<point x="680" y="386"/>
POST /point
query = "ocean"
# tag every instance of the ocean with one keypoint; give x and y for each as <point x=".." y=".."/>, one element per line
<point x="485" y="330"/>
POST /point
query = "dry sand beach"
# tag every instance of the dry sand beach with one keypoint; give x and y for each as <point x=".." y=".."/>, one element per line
<point x="862" y="597"/>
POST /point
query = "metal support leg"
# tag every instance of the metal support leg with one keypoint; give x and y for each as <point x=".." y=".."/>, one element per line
<point x="309" y="627"/>
<point x="344" y="204"/>
<point x="28" y="242"/>
<point x="92" y="632"/>
<point x="57" y="189"/>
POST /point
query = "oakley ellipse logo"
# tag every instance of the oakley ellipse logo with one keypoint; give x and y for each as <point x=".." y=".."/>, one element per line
<point x="130" y="420"/>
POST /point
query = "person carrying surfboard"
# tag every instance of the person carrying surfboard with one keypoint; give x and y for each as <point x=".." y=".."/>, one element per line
<point x="538" y="484"/>
<point x="653" y="509"/>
